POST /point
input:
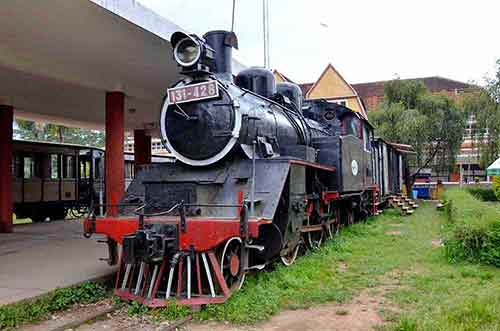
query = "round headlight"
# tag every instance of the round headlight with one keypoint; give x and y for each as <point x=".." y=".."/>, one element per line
<point x="187" y="52"/>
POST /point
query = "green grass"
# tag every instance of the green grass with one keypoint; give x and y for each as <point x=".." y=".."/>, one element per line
<point x="316" y="278"/>
<point x="431" y="294"/>
<point x="426" y="291"/>
<point x="40" y="308"/>
<point x="473" y="228"/>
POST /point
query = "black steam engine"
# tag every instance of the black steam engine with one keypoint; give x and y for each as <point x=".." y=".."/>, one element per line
<point x="259" y="174"/>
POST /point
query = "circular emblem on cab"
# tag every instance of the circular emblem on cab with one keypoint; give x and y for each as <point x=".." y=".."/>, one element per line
<point x="354" y="167"/>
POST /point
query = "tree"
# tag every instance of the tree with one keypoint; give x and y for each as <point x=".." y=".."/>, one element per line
<point x="29" y="130"/>
<point x="484" y="104"/>
<point x="493" y="84"/>
<point x="432" y="124"/>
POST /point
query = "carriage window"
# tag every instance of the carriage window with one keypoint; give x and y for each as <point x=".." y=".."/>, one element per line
<point x="129" y="170"/>
<point x="17" y="167"/>
<point x="54" y="166"/>
<point x="69" y="166"/>
<point x="85" y="169"/>
<point x="97" y="169"/>
<point x="29" y="167"/>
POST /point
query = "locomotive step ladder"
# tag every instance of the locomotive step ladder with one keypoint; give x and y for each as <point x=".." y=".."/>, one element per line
<point x="403" y="204"/>
<point x="413" y="204"/>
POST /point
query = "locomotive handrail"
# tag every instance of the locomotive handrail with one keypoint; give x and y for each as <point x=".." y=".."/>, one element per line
<point x="213" y="205"/>
<point x="182" y="213"/>
<point x="115" y="205"/>
<point x="162" y="213"/>
<point x="180" y="205"/>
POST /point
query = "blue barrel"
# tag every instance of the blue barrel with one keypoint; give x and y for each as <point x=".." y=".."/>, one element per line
<point x="415" y="194"/>
<point x="423" y="192"/>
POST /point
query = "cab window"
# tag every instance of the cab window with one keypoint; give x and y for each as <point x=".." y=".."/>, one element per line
<point x="366" y="139"/>
<point x="352" y="126"/>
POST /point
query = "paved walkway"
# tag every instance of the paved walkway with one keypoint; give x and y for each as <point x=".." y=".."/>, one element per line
<point x="38" y="258"/>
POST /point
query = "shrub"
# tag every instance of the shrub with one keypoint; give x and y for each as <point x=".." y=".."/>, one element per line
<point x="472" y="232"/>
<point x="482" y="193"/>
<point x="496" y="186"/>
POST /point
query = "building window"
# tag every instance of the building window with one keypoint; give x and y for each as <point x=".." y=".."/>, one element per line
<point x="339" y="102"/>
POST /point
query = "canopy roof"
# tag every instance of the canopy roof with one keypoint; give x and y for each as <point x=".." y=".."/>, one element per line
<point x="58" y="58"/>
<point x="494" y="168"/>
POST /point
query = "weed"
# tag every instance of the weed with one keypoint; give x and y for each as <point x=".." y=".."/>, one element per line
<point x="342" y="312"/>
<point x="40" y="308"/>
<point x="135" y="308"/>
<point x="406" y="324"/>
<point x="171" y="312"/>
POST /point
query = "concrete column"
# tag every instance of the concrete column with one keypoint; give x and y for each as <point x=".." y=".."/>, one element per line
<point x="142" y="147"/>
<point x="6" y="121"/>
<point x="114" y="158"/>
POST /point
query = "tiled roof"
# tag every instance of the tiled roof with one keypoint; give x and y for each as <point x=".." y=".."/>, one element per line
<point x="434" y="84"/>
<point x="305" y="87"/>
<point x="285" y="78"/>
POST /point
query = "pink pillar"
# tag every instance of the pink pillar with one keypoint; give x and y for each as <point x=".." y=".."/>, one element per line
<point x="115" y="161"/>
<point x="142" y="147"/>
<point x="6" y="121"/>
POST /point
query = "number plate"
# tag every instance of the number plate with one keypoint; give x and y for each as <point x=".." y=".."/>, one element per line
<point x="201" y="91"/>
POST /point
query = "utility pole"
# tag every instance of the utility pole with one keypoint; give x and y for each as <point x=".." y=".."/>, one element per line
<point x="265" y="23"/>
<point x="472" y="149"/>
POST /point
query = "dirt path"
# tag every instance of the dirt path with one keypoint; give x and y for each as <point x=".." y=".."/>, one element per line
<point x="362" y="313"/>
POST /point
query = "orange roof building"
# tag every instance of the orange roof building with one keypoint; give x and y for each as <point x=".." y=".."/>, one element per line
<point x="330" y="86"/>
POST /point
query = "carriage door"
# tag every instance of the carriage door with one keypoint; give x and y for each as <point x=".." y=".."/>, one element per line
<point x="98" y="166"/>
<point x="85" y="175"/>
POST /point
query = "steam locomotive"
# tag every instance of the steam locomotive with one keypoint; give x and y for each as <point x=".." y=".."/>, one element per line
<point x="259" y="174"/>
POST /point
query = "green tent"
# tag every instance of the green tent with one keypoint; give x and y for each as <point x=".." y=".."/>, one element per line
<point x="494" y="168"/>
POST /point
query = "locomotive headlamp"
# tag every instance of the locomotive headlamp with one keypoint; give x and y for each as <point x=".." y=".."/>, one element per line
<point x="192" y="53"/>
<point x="187" y="52"/>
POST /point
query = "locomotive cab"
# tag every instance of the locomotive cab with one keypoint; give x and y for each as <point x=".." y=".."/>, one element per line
<point x="356" y="150"/>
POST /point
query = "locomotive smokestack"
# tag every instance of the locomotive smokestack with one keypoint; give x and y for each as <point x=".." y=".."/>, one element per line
<point x="222" y="42"/>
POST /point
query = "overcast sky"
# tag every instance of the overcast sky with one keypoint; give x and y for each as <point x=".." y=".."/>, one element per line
<point x="366" y="40"/>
